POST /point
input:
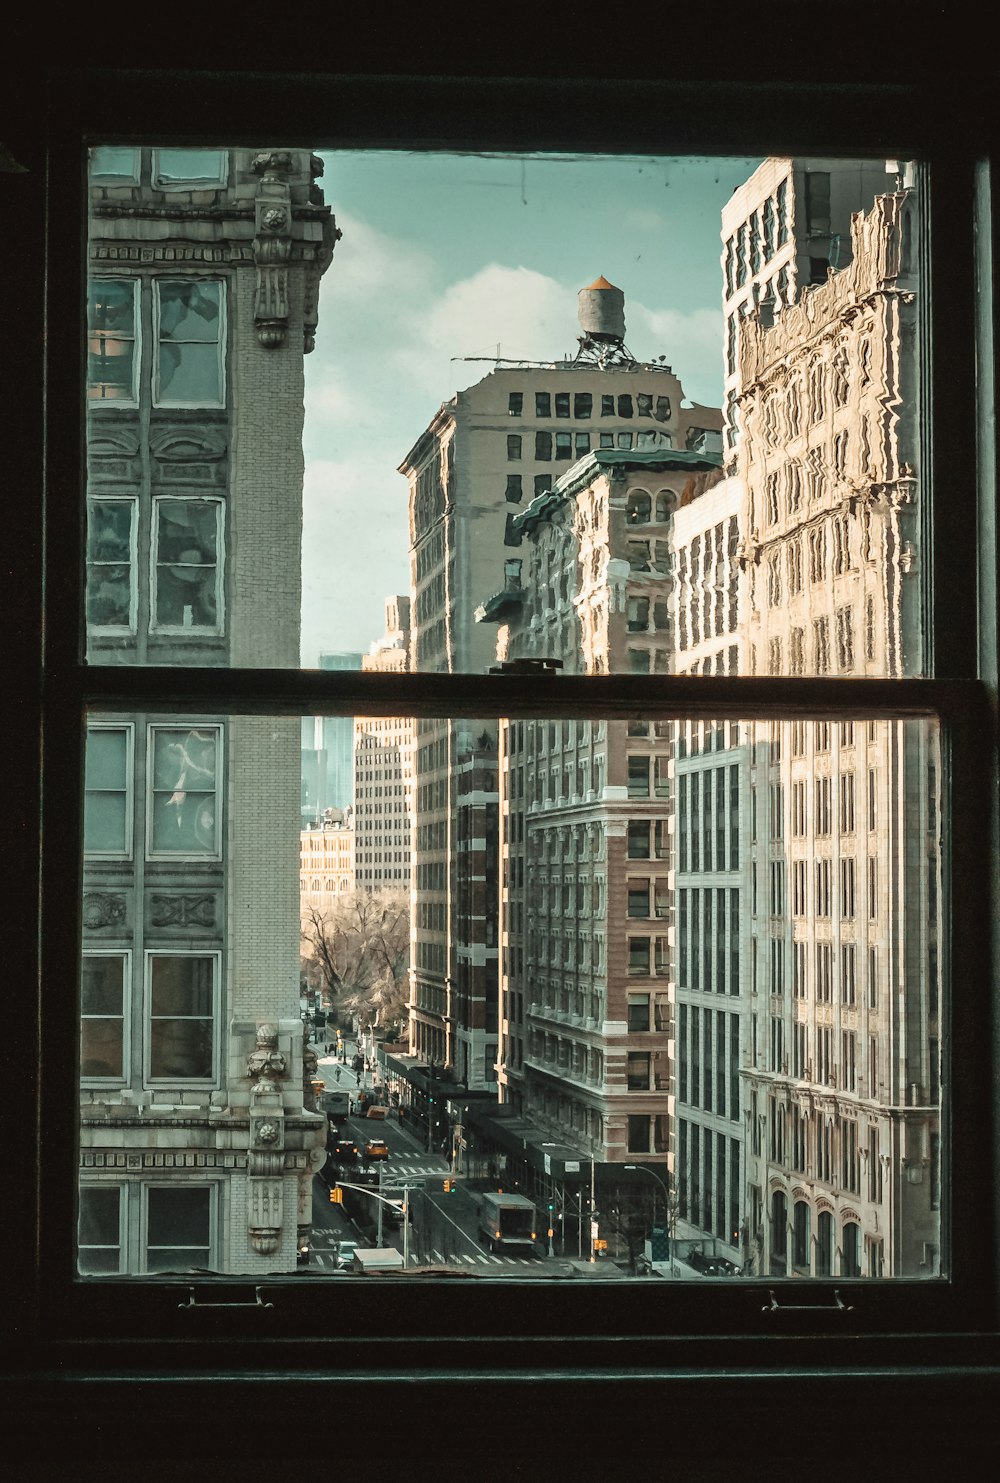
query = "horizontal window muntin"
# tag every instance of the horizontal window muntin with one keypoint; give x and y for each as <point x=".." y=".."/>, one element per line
<point x="628" y="742"/>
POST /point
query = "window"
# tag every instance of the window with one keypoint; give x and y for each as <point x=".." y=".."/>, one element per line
<point x="513" y="491"/>
<point x="111" y="564"/>
<point x="188" y="355"/>
<point x="543" y="404"/>
<point x="543" y="447"/>
<point x="515" y="402"/>
<point x="638" y="1071"/>
<point x="186" y="167"/>
<point x="514" y="446"/>
<point x="181" y="990"/>
<point x="199" y="1241"/>
<point x="185" y="768"/>
<point x="187" y="588"/>
<point x="638" y="1012"/>
<point x="104" y="1016"/>
<point x="107" y="827"/>
<point x="112" y="340"/>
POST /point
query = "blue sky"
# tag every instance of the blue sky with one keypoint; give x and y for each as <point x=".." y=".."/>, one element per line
<point x="451" y="256"/>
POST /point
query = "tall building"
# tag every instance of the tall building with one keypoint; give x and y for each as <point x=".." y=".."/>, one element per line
<point x="197" y="1141"/>
<point x="383" y="770"/>
<point x="844" y="1012"/>
<point x="493" y="447"/>
<point x="710" y="899"/>
<point x="783" y="230"/>
<point x="587" y="973"/>
<point x="328" y="752"/>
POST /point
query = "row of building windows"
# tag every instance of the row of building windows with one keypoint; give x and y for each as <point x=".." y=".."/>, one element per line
<point x="549" y="404"/>
<point x="183" y="771"/>
<point x="185" y="566"/>
<point x="179" y="995"/>
<point x="187" y="326"/>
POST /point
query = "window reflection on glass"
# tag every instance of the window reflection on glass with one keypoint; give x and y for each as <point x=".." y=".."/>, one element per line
<point x="190" y="166"/>
<point x="187" y="563"/>
<point x="183" y="793"/>
<point x="189" y="330"/>
<point x="106" y="822"/>
<point x="120" y="163"/>
<point x="110" y="557"/>
<point x="111" y="340"/>
<point x="181" y="1010"/>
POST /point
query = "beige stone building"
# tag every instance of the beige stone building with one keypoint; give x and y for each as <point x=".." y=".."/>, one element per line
<point x="843" y="1084"/>
<point x="383" y="770"/>
<point x="326" y="862"/>
<point x="587" y="973"/>
<point x="488" y="453"/>
<point x="197" y="1140"/>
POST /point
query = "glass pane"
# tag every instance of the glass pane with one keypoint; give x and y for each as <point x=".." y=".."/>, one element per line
<point x="183" y="806"/>
<point x="106" y="757"/>
<point x="757" y="464"/>
<point x="494" y="967"/>
<point x="105" y="823"/>
<point x="175" y="166"/>
<point x="107" y="160"/>
<point x="186" y="571"/>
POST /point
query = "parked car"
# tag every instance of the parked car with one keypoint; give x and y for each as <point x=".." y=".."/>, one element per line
<point x="376" y="1148"/>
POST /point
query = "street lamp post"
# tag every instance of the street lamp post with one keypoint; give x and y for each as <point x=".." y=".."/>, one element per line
<point x="644" y="1169"/>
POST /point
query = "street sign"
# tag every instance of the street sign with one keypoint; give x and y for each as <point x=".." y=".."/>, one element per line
<point x="336" y="1197"/>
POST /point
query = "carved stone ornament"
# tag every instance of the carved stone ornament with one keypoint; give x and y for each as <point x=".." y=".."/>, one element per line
<point x="272" y="247"/>
<point x="182" y="911"/>
<point x="266" y="1060"/>
<point x="103" y="909"/>
<point x="265" y="1214"/>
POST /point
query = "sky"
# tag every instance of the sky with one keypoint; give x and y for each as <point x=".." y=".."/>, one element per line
<point x="448" y="257"/>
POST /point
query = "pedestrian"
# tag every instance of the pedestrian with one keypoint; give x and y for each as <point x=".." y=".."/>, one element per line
<point x="338" y="1076"/>
<point x="359" y="1078"/>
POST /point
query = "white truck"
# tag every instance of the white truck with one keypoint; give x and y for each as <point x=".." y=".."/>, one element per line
<point x="377" y="1259"/>
<point x="507" y="1222"/>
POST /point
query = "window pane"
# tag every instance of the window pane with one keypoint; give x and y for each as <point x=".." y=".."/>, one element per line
<point x="495" y="916"/>
<point x="100" y="1230"/>
<point x="175" y="166"/>
<point x="110" y="559"/>
<point x="183" y="804"/>
<point x="806" y="391"/>
<point x="178" y="1229"/>
<point x="187" y="573"/>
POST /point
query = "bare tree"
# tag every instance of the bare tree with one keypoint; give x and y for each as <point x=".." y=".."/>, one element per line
<point x="358" y="953"/>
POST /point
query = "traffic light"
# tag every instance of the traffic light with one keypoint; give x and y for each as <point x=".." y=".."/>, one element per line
<point x="447" y="1186"/>
<point x="337" y="1196"/>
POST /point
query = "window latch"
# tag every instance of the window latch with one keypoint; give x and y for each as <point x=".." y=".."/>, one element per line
<point x="258" y="1302"/>
<point x="837" y="1306"/>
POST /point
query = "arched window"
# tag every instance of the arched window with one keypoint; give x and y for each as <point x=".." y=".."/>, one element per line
<point x="666" y="503"/>
<point x="824" y="1244"/>
<point x="801" y="1226"/>
<point x="638" y="506"/>
<point x="851" y="1262"/>
<point x="779" y="1234"/>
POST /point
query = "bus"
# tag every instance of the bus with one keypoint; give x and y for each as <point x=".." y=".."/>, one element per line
<point x="507" y="1222"/>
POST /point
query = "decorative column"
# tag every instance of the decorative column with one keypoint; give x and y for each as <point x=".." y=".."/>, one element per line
<point x="266" y="1068"/>
<point x="272" y="246"/>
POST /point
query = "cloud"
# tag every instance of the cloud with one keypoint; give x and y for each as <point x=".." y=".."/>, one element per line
<point x="527" y="314"/>
<point x="692" y="344"/>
